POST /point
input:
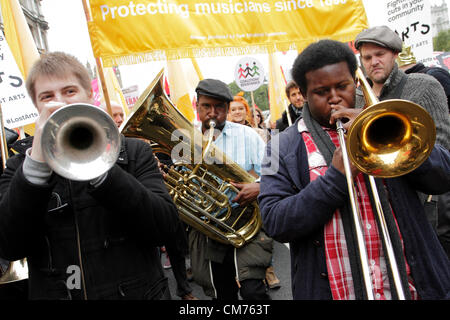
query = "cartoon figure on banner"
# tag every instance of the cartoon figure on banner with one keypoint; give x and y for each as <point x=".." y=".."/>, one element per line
<point x="250" y="78"/>
<point x="241" y="72"/>
<point x="253" y="77"/>
<point x="255" y="69"/>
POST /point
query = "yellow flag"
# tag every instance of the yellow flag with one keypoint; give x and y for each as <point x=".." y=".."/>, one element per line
<point x="20" y="40"/>
<point x="114" y="91"/>
<point x="19" y="36"/>
<point x="183" y="77"/>
<point x="120" y="30"/>
<point x="277" y="97"/>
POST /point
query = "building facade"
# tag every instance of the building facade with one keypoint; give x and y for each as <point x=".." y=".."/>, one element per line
<point x="36" y="23"/>
<point x="439" y="18"/>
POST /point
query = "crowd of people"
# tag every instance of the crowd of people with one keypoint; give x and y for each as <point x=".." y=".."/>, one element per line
<point x="114" y="239"/>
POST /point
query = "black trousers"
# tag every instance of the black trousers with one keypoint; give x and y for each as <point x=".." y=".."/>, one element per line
<point x="14" y="291"/>
<point x="224" y="277"/>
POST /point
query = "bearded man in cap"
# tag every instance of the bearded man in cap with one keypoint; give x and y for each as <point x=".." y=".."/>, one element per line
<point x="223" y="270"/>
<point x="379" y="48"/>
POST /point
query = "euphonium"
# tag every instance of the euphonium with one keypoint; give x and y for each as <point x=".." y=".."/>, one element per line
<point x="199" y="180"/>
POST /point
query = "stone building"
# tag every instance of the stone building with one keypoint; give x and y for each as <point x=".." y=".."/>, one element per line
<point x="439" y="18"/>
<point x="36" y="23"/>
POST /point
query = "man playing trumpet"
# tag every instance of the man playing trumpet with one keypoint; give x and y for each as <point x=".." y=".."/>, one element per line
<point x="93" y="239"/>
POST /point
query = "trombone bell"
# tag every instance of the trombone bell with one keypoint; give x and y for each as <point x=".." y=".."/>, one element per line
<point x="389" y="138"/>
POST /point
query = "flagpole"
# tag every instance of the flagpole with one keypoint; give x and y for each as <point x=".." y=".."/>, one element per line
<point x="197" y="68"/>
<point x="99" y="64"/>
<point x="253" y="110"/>
<point x="4" y="145"/>
<point x="286" y="107"/>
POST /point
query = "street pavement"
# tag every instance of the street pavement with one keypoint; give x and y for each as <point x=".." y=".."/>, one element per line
<point x="282" y="266"/>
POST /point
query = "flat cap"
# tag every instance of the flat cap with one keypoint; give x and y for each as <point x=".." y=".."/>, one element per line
<point x="380" y="35"/>
<point x="215" y="89"/>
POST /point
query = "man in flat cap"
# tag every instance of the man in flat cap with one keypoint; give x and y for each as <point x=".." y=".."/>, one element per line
<point x="379" y="48"/>
<point x="223" y="270"/>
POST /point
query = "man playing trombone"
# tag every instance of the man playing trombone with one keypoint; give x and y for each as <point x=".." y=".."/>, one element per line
<point x="93" y="239"/>
<point x="306" y="202"/>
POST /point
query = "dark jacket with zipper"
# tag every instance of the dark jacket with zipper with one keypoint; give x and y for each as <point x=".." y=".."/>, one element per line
<point x="283" y="123"/>
<point x="85" y="242"/>
<point x="296" y="210"/>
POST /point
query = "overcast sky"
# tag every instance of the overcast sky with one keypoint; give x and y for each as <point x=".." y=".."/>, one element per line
<point x="68" y="32"/>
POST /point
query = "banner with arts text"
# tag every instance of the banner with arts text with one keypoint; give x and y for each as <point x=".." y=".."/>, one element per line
<point x="17" y="107"/>
<point x="411" y="19"/>
<point x="128" y="32"/>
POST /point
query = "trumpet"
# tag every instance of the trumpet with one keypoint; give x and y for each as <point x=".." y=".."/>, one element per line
<point x="388" y="139"/>
<point x="80" y="142"/>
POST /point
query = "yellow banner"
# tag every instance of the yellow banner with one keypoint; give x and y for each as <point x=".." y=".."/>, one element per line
<point x="128" y="32"/>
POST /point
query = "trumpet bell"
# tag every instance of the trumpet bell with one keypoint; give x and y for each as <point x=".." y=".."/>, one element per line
<point x="80" y="142"/>
<point x="391" y="138"/>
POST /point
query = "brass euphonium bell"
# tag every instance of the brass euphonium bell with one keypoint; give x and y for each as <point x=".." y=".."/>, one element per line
<point x="389" y="138"/>
<point x="16" y="271"/>
<point x="199" y="181"/>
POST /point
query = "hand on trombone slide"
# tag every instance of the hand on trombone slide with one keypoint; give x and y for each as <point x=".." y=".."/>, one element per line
<point x="347" y="115"/>
<point x="338" y="163"/>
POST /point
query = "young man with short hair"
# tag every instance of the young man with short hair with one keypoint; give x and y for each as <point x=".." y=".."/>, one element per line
<point x="295" y="107"/>
<point x="93" y="239"/>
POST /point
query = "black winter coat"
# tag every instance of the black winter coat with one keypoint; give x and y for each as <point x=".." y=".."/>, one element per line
<point x="109" y="234"/>
<point x="283" y="123"/>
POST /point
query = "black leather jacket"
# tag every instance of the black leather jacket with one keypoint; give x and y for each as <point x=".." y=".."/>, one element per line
<point x="107" y="235"/>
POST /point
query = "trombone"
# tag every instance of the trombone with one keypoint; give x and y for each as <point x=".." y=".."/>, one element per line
<point x="387" y="139"/>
